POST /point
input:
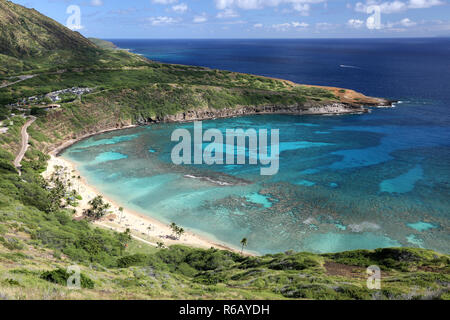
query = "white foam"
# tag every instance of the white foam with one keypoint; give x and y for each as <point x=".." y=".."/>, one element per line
<point x="222" y="183"/>
<point x="363" y="226"/>
<point x="351" y="67"/>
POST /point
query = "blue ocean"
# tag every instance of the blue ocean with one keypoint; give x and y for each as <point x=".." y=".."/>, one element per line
<point x="345" y="182"/>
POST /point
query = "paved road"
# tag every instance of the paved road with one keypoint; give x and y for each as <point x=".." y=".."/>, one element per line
<point x="24" y="147"/>
<point x="21" y="78"/>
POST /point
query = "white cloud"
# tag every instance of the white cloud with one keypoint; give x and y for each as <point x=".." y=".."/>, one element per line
<point x="419" y="4"/>
<point x="355" y="23"/>
<point x="164" y="1"/>
<point x="288" y="25"/>
<point x="302" y="6"/>
<point x="399" y="26"/>
<point x="407" y="23"/>
<point x="200" y="19"/>
<point x="223" y="4"/>
<point x="159" y="21"/>
<point x="180" y="8"/>
<point x="385" y="7"/>
<point x="281" y="26"/>
<point x="258" y="25"/>
<point x="96" y="3"/>
<point x="227" y="13"/>
<point x="299" y="24"/>
<point x="396" y="6"/>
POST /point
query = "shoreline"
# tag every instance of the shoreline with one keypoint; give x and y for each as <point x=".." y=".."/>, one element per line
<point x="55" y="152"/>
<point x="137" y="222"/>
<point x="146" y="228"/>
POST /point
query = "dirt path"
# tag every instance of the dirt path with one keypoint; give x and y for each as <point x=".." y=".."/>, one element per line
<point x="24" y="146"/>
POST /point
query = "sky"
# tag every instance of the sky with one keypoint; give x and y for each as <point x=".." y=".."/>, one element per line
<point x="151" y="19"/>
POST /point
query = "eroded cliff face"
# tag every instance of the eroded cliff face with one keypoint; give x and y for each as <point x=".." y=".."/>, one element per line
<point x="309" y="108"/>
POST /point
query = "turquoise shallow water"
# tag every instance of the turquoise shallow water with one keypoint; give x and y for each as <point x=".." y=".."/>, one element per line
<point x="364" y="185"/>
<point x="347" y="182"/>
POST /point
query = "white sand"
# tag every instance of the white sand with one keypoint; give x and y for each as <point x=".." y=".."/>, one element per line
<point x="139" y="224"/>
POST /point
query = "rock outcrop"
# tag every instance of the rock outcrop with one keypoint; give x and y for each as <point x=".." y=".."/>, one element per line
<point x="309" y="108"/>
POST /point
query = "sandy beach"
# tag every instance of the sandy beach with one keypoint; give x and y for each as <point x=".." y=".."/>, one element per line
<point x="143" y="228"/>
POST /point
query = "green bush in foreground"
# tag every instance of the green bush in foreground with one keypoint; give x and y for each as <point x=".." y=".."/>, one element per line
<point x="60" y="276"/>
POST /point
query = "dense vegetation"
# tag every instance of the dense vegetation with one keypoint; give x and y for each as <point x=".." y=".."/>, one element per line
<point x="39" y="238"/>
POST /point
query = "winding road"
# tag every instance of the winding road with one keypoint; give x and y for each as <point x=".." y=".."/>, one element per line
<point x="24" y="146"/>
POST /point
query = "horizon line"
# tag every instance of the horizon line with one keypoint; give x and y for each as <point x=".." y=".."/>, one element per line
<point x="343" y="38"/>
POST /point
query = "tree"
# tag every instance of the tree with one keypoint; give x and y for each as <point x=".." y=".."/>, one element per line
<point x="244" y="243"/>
<point x="179" y="232"/>
<point x="71" y="198"/>
<point x="98" y="208"/>
<point x="55" y="195"/>
<point x="160" y="244"/>
<point x="78" y="184"/>
<point x="36" y="111"/>
<point x="121" y="214"/>
<point x="124" y="238"/>
<point x="174" y="227"/>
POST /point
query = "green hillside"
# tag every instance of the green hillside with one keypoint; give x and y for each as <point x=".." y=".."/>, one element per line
<point x="32" y="41"/>
<point x="39" y="238"/>
<point x="27" y="33"/>
<point x="103" y="44"/>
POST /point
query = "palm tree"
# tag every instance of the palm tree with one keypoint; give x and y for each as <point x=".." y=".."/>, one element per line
<point x="121" y="214"/>
<point x="98" y="208"/>
<point x="174" y="227"/>
<point x="179" y="232"/>
<point x="244" y="243"/>
<point x="78" y="184"/>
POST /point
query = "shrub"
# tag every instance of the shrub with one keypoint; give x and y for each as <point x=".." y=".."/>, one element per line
<point x="35" y="111"/>
<point x="7" y="167"/>
<point x="138" y="259"/>
<point x="354" y="292"/>
<point x="210" y="278"/>
<point x="294" y="262"/>
<point x="313" y="291"/>
<point x="60" y="276"/>
<point x="12" y="243"/>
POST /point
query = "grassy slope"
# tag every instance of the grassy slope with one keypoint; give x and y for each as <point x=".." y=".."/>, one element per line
<point x="103" y="44"/>
<point x="36" y="237"/>
<point x="25" y="33"/>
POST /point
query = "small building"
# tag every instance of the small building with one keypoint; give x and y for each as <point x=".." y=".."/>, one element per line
<point x="53" y="106"/>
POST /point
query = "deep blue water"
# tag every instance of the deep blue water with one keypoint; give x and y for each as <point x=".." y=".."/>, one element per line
<point x="345" y="182"/>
